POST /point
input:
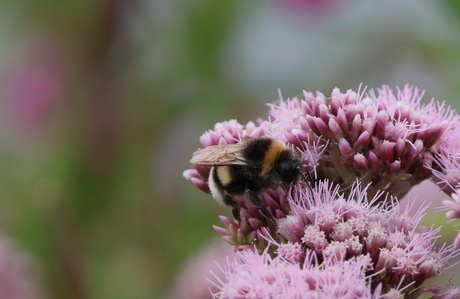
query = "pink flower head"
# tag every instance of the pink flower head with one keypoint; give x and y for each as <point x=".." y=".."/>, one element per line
<point x="382" y="138"/>
<point x="332" y="223"/>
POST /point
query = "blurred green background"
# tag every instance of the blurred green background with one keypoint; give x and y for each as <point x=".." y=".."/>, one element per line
<point x="103" y="102"/>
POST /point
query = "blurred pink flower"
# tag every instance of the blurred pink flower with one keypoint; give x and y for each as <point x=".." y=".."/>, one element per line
<point x="33" y="87"/>
<point x="453" y="205"/>
<point x="453" y="208"/>
<point x="191" y="282"/>
<point x="16" y="277"/>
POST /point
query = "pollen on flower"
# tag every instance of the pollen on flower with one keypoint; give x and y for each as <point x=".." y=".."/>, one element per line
<point x="290" y="251"/>
<point x="342" y="231"/>
<point x="315" y="238"/>
<point x="355" y="246"/>
<point x="336" y="249"/>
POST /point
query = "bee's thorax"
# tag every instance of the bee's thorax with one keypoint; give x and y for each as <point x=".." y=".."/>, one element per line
<point x="274" y="150"/>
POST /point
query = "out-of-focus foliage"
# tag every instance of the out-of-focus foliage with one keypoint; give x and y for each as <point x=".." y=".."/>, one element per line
<point x="102" y="103"/>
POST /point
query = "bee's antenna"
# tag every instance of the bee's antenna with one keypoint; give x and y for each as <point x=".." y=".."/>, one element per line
<point x="305" y="179"/>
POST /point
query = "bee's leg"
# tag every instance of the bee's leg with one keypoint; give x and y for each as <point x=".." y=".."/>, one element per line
<point x="229" y="201"/>
<point x="257" y="202"/>
<point x="236" y="213"/>
<point x="309" y="183"/>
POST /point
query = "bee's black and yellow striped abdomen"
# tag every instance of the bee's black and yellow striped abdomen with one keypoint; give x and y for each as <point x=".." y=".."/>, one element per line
<point x="246" y="168"/>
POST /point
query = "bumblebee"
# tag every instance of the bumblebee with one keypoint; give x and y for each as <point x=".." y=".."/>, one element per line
<point x="245" y="168"/>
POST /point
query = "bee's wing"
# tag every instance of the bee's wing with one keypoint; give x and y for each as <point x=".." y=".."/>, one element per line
<point x="229" y="154"/>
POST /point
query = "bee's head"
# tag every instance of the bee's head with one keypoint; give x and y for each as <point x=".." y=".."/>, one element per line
<point x="288" y="168"/>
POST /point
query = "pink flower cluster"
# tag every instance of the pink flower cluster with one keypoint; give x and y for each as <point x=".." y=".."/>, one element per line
<point x="365" y="150"/>
<point x="262" y="276"/>
<point x="384" y="139"/>
<point x="402" y="253"/>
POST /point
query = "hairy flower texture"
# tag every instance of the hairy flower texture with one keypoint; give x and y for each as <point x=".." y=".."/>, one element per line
<point x="344" y="226"/>
<point x="261" y="276"/>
